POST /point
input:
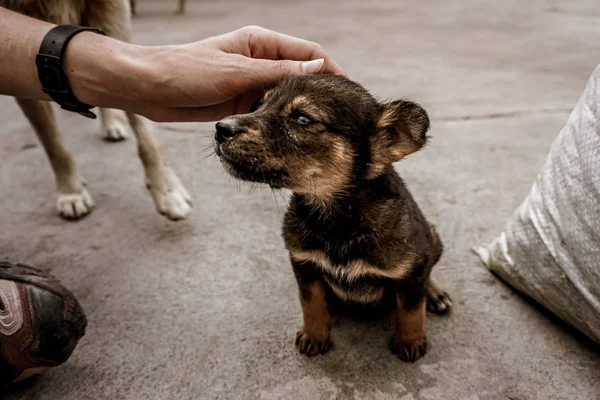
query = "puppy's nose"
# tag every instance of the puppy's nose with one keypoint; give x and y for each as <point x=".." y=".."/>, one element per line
<point x="227" y="129"/>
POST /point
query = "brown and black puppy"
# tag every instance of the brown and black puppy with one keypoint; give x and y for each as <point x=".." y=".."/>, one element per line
<point x="354" y="233"/>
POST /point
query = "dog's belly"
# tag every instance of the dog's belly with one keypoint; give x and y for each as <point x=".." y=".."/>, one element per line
<point x="356" y="292"/>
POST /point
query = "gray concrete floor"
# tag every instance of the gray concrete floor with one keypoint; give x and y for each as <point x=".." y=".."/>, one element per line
<point x="207" y="308"/>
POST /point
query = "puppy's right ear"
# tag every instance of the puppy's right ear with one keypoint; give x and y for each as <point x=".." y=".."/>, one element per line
<point x="400" y="130"/>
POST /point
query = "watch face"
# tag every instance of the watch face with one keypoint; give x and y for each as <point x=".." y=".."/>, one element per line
<point x="51" y="74"/>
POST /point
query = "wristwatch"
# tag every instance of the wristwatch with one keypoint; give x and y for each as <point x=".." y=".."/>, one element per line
<point x="49" y="62"/>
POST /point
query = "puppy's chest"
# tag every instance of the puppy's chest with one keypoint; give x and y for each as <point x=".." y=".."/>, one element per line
<point x="353" y="268"/>
<point x="355" y="280"/>
<point x="354" y="259"/>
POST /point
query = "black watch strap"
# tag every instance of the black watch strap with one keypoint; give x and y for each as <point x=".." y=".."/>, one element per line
<point x="49" y="62"/>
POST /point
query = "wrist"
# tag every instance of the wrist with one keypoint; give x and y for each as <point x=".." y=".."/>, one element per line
<point x="106" y="72"/>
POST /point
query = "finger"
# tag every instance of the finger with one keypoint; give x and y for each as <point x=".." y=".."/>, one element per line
<point x="257" y="42"/>
<point x="271" y="72"/>
<point x="278" y="46"/>
<point x="258" y="75"/>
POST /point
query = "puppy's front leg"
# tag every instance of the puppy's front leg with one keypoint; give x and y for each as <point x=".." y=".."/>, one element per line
<point x="409" y="341"/>
<point x="313" y="338"/>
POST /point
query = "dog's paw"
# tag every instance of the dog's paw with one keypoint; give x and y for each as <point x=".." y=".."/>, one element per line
<point x="115" y="130"/>
<point x="409" y="352"/>
<point x="74" y="206"/>
<point x="438" y="301"/>
<point x="170" y="196"/>
<point x="311" y="345"/>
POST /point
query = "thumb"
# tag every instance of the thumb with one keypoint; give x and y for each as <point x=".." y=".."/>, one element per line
<point x="272" y="72"/>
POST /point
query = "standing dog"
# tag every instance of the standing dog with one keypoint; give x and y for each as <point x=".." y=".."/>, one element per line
<point x="354" y="233"/>
<point x="74" y="201"/>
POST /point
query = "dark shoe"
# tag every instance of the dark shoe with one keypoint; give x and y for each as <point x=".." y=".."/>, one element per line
<point x="41" y="322"/>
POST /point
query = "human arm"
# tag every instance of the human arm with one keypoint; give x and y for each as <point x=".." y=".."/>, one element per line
<point x="200" y="81"/>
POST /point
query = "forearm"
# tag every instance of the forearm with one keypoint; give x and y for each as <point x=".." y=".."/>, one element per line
<point x="19" y="43"/>
<point x="99" y="69"/>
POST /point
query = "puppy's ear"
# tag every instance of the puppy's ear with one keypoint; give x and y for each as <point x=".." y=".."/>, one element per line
<point x="400" y="129"/>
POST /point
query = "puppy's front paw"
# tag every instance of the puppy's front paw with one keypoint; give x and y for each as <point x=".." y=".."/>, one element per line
<point x="409" y="352"/>
<point x="438" y="301"/>
<point x="74" y="206"/>
<point x="311" y="344"/>
<point x="115" y="130"/>
<point x="170" y="196"/>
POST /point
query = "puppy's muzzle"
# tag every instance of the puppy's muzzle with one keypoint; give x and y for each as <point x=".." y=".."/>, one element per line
<point x="227" y="129"/>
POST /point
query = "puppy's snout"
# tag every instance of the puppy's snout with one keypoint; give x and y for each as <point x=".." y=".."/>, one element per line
<point x="227" y="129"/>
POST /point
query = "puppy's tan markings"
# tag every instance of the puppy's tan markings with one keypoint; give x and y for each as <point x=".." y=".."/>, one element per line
<point x="354" y="270"/>
<point x="267" y="95"/>
<point x="323" y="178"/>
<point x="299" y="103"/>
<point x="305" y="105"/>
<point x="364" y="296"/>
<point x="409" y="341"/>
<point x="255" y="134"/>
<point x="314" y="338"/>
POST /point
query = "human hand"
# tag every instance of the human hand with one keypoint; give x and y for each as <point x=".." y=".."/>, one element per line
<point x="201" y="81"/>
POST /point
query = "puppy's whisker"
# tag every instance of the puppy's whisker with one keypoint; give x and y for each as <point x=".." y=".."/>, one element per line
<point x="276" y="202"/>
<point x="253" y="188"/>
<point x="282" y="197"/>
<point x="210" y="149"/>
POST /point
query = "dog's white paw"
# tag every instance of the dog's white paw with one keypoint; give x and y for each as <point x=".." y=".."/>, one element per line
<point x="116" y="130"/>
<point x="170" y="196"/>
<point x="74" y="206"/>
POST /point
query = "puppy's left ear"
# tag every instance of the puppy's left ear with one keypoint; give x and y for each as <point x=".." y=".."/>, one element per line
<point x="400" y="129"/>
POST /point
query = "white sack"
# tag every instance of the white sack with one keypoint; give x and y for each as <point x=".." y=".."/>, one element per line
<point x="550" y="247"/>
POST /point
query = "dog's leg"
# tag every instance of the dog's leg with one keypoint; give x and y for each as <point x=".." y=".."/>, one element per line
<point x="170" y="196"/>
<point x="313" y="338"/>
<point x="133" y="6"/>
<point x="409" y="341"/>
<point x="114" y="18"/>
<point x="438" y="301"/>
<point x="74" y="201"/>
<point x="113" y="128"/>
<point x="181" y="9"/>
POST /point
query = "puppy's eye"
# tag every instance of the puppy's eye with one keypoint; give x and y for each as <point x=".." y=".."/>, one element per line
<point x="256" y="105"/>
<point x="301" y="119"/>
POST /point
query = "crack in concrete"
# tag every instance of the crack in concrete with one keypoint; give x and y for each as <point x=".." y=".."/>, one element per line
<point x="500" y="115"/>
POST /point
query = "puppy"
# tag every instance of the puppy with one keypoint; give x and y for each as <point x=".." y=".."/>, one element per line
<point x="74" y="201"/>
<point x="353" y="231"/>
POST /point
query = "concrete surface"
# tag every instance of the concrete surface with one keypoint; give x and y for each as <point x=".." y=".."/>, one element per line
<point x="207" y="308"/>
